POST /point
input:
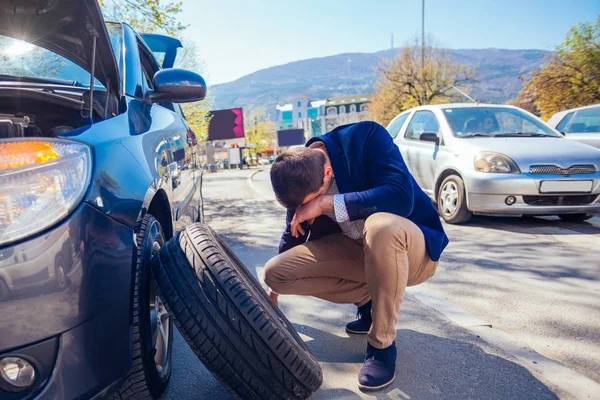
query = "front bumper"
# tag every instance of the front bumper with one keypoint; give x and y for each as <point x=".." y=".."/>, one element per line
<point x="88" y="316"/>
<point x="487" y="194"/>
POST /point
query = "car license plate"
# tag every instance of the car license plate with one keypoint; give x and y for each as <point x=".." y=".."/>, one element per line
<point x="566" y="186"/>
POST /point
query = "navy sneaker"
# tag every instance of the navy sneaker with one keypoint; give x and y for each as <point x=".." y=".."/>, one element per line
<point x="379" y="368"/>
<point x="362" y="325"/>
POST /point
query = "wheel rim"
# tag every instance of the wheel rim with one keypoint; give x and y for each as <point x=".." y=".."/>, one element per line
<point x="159" y="324"/>
<point x="61" y="278"/>
<point x="449" y="198"/>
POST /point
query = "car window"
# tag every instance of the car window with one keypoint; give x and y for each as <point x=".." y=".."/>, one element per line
<point x="149" y="68"/>
<point x="422" y="121"/>
<point x="564" y="123"/>
<point x="396" y="124"/>
<point x="585" y="121"/>
<point x="492" y="121"/>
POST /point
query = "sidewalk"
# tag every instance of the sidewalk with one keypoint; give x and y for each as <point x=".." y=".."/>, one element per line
<point x="436" y="359"/>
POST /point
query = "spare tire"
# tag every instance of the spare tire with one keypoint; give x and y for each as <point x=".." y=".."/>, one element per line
<point x="227" y="319"/>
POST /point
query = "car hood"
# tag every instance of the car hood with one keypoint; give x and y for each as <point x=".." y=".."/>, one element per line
<point x="66" y="27"/>
<point x="527" y="151"/>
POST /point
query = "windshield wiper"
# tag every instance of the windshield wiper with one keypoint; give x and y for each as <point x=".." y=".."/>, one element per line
<point x="523" y="134"/>
<point x="476" y="134"/>
<point x="30" y="79"/>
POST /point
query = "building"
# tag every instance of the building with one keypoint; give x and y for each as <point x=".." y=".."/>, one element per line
<point x="317" y="117"/>
<point x="346" y="110"/>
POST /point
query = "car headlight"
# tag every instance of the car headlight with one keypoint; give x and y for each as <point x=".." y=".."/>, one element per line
<point x="495" y="163"/>
<point x="41" y="182"/>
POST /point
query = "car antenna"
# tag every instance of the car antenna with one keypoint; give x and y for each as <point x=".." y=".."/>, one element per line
<point x="464" y="94"/>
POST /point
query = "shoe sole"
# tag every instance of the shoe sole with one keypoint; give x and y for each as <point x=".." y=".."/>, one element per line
<point x="356" y="332"/>
<point x="375" y="388"/>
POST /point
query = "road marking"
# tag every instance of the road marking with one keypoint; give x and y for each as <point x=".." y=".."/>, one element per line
<point x="561" y="376"/>
<point x="255" y="188"/>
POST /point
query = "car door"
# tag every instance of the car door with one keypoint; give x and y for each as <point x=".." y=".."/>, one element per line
<point x="423" y="154"/>
<point x="173" y="148"/>
<point x="583" y="127"/>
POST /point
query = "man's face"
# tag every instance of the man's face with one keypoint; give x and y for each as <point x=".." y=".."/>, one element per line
<point x="327" y="175"/>
<point x="311" y="196"/>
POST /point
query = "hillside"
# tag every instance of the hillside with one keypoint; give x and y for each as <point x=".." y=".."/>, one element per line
<point x="497" y="77"/>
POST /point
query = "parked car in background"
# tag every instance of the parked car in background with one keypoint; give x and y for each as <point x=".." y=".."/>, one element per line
<point x="89" y="121"/>
<point x="263" y="161"/>
<point x="497" y="160"/>
<point x="581" y="124"/>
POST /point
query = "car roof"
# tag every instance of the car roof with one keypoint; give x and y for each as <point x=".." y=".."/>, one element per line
<point x="461" y="105"/>
<point x="564" y="112"/>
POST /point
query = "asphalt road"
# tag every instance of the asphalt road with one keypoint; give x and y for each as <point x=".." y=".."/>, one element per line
<point x="534" y="279"/>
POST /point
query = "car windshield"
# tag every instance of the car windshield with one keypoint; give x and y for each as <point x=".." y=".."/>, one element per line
<point x="22" y="60"/>
<point x="495" y="122"/>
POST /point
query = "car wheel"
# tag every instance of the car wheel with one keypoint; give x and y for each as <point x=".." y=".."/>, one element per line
<point x="229" y="322"/>
<point x="575" y="217"/>
<point x="4" y="290"/>
<point x="150" y="369"/>
<point x="451" y="201"/>
<point x="60" y="274"/>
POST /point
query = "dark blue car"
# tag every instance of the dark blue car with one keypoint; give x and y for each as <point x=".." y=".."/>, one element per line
<point x="91" y="135"/>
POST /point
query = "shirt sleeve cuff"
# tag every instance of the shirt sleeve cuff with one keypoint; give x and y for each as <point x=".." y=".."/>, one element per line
<point x="339" y="206"/>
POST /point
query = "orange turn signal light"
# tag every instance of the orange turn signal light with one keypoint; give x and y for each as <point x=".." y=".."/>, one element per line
<point x="18" y="154"/>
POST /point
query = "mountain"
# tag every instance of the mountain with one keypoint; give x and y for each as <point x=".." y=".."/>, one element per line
<point x="497" y="73"/>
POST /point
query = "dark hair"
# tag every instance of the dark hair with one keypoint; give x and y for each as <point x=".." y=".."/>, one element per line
<point x="296" y="174"/>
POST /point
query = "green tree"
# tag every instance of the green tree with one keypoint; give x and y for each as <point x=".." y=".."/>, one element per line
<point x="196" y="113"/>
<point x="410" y="80"/>
<point x="260" y="131"/>
<point x="145" y="15"/>
<point x="571" y="78"/>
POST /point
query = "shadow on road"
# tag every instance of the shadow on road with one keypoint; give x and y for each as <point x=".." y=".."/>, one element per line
<point x="536" y="225"/>
<point x="431" y="367"/>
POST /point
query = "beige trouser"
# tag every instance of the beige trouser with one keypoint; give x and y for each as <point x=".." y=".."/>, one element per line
<point x="341" y="270"/>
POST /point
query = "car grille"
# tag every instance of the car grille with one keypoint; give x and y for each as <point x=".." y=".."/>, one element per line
<point x="579" y="200"/>
<point x="556" y="170"/>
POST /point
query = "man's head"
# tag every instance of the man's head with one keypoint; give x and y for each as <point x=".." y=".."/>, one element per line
<point x="300" y="175"/>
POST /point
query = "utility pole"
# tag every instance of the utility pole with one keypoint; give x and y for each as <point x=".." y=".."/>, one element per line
<point x="422" y="50"/>
<point x="392" y="42"/>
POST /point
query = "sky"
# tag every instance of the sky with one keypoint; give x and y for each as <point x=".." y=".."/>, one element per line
<point x="237" y="37"/>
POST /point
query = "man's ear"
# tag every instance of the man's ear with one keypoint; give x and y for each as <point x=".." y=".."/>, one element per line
<point x="328" y="173"/>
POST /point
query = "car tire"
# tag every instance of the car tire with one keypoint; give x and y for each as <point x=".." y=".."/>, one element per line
<point x="150" y="369"/>
<point x="575" y="217"/>
<point x="452" y="201"/>
<point x="228" y="320"/>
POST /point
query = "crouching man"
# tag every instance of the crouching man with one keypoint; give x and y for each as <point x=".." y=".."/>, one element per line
<point x="358" y="230"/>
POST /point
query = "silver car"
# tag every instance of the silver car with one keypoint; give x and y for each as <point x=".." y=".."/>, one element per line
<point x="497" y="160"/>
<point x="581" y="124"/>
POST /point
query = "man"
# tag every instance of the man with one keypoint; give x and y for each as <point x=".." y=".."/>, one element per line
<point x="358" y="230"/>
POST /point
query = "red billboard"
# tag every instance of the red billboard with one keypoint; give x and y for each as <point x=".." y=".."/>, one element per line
<point x="226" y="124"/>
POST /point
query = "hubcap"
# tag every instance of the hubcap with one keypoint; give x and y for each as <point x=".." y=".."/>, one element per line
<point x="159" y="324"/>
<point x="449" y="198"/>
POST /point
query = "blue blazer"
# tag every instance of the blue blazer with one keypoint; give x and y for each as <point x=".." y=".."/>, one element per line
<point x="370" y="171"/>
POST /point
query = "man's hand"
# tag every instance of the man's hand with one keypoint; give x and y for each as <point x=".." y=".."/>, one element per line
<point x="310" y="211"/>
<point x="274" y="297"/>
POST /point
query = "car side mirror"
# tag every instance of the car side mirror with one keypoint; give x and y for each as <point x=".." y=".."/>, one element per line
<point x="177" y="85"/>
<point x="429" y="137"/>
